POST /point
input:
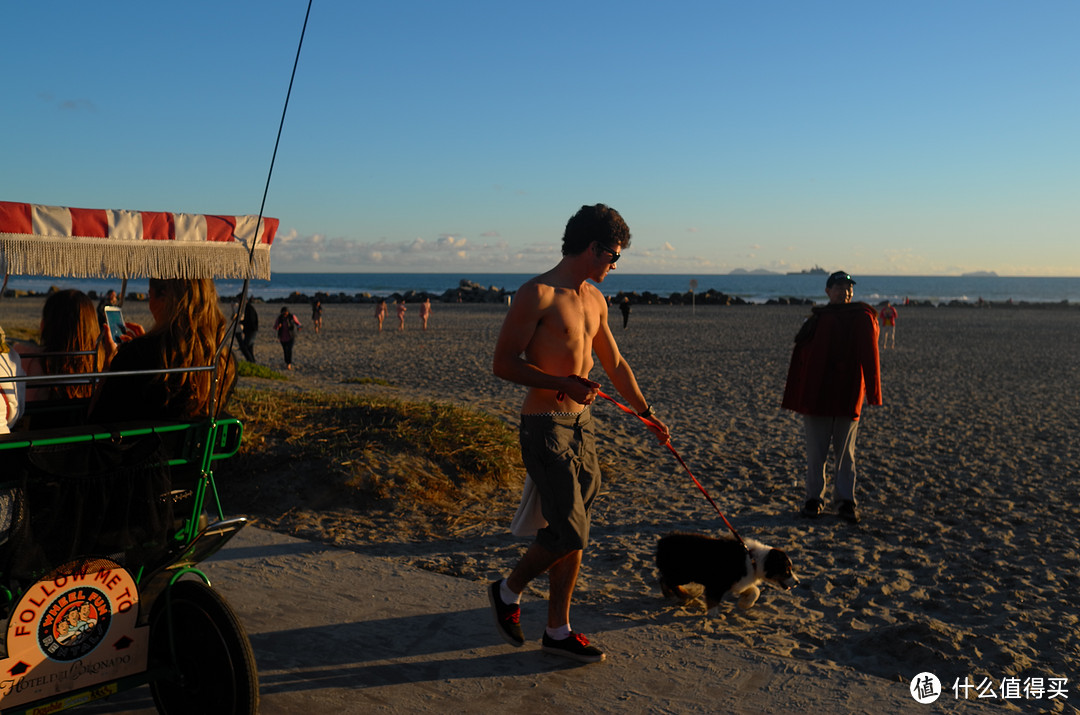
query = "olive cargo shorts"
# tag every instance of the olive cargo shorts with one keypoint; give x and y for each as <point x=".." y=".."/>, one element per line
<point x="559" y="452"/>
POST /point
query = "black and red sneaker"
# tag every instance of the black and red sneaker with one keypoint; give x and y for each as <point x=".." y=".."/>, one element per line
<point x="576" y="647"/>
<point x="507" y="616"/>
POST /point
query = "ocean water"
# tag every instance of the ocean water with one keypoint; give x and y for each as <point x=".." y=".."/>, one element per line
<point x="752" y="288"/>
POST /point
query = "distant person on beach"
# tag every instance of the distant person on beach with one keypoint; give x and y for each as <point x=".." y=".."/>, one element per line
<point x="316" y="315"/>
<point x="888" y="323"/>
<point x="110" y="298"/>
<point x="834" y="367"/>
<point x="552" y="329"/>
<point x="624" y="308"/>
<point x="425" y="312"/>
<point x="249" y="328"/>
<point x="380" y="312"/>
<point x="286" y="325"/>
<point x="401" y="313"/>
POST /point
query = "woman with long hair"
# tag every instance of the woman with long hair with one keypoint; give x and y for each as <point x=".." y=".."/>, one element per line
<point x="188" y="328"/>
<point x="69" y="324"/>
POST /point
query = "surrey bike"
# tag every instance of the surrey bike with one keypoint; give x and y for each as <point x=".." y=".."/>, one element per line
<point x="103" y="526"/>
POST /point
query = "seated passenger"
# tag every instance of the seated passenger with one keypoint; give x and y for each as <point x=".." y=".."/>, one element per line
<point x="188" y="327"/>
<point x="10" y="392"/>
<point x="68" y="324"/>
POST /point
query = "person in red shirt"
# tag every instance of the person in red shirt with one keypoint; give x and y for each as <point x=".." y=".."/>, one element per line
<point x="834" y="367"/>
<point x="888" y="324"/>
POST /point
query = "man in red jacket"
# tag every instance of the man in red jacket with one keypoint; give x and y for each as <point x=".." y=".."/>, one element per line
<point x="834" y="367"/>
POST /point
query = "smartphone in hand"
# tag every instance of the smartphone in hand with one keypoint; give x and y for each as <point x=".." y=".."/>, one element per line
<point x="115" y="320"/>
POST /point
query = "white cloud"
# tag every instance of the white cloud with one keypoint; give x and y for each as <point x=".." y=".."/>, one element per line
<point x="293" y="252"/>
<point x="451" y="252"/>
<point x="450" y="240"/>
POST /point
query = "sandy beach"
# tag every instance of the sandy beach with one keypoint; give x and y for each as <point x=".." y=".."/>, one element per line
<point x="967" y="558"/>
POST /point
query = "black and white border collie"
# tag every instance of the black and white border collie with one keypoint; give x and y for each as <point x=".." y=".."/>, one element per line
<point x="722" y="566"/>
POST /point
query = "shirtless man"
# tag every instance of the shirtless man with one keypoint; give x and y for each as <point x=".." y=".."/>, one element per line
<point x="555" y="324"/>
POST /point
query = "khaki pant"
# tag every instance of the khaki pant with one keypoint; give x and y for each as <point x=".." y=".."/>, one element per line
<point x="820" y="432"/>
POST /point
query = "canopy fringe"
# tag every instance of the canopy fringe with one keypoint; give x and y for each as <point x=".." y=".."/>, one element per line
<point x="29" y="254"/>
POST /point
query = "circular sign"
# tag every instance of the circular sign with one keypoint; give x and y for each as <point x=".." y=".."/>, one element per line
<point x="73" y="626"/>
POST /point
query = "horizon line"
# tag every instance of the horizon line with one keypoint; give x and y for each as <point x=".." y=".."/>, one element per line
<point x="968" y="274"/>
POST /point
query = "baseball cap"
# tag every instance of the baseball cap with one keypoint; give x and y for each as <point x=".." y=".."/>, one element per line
<point x="839" y="277"/>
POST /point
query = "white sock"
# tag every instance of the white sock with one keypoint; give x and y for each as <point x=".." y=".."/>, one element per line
<point x="559" y="633"/>
<point x="507" y="595"/>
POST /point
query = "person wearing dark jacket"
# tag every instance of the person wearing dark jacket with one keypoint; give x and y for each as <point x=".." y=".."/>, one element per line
<point x="624" y="307"/>
<point x="250" y="327"/>
<point x="834" y="368"/>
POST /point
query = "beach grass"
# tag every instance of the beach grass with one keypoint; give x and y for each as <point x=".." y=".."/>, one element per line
<point x="325" y="450"/>
<point x="251" y="369"/>
<point x="367" y="381"/>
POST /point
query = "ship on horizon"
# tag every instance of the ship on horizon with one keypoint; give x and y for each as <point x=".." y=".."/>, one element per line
<point x="815" y="271"/>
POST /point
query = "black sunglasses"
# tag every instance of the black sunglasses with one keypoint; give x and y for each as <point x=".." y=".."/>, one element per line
<point x="614" y="256"/>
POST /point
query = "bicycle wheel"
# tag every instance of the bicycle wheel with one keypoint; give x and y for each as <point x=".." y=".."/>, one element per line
<point x="215" y="671"/>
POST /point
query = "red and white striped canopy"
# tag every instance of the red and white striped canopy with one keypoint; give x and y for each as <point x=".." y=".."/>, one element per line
<point x="103" y="243"/>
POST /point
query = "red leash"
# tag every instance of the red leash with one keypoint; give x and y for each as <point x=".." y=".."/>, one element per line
<point x="671" y="449"/>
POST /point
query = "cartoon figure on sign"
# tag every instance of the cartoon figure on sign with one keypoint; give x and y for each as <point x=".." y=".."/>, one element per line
<point x="79" y="620"/>
<point x="74" y="626"/>
<point x="67" y="628"/>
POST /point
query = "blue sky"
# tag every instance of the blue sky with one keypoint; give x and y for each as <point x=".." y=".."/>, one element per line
<point x="925" y="137"/>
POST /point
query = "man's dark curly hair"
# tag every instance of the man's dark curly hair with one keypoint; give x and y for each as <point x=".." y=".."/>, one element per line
<point x="595" y="223"/>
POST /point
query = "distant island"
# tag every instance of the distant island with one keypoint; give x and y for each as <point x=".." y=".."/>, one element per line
<point x="755" y="272"/>
<point x="815" y="271"/>
<point x="979" y="274"/>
